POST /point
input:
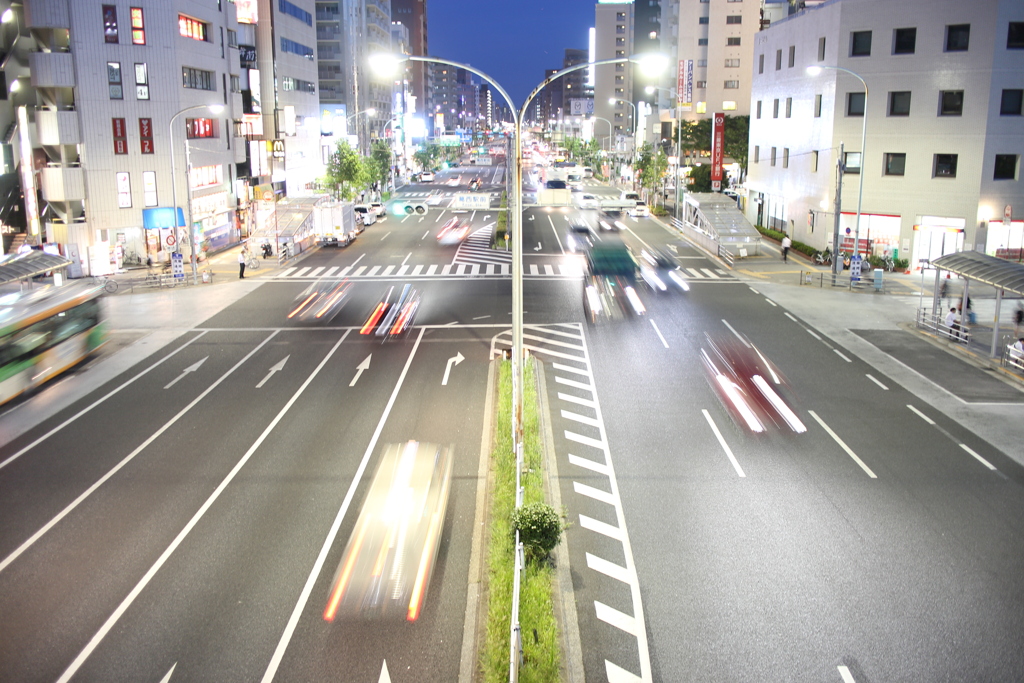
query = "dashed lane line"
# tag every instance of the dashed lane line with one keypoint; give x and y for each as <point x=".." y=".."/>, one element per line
<point x="842" y="444"/>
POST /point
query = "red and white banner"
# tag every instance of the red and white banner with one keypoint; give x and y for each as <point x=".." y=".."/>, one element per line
<point x="717" y="155"/>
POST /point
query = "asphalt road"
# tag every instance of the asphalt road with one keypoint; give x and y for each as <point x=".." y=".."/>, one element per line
<point x="188" y="525"/>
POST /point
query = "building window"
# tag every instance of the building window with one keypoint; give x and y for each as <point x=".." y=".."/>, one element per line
<point x="1006" y="167"/>
<point x="618" y="41"/>
<point x="123" y="182"/>
<point x="109" y="24"/>
<point x="814" y="161"/>
<point x="703" y="20"/>
<point x="302" y="15"/>
<point x="899" y="103"/>
<point x="732" y="64"/>
<point x="945" y="166"/>
<point x="734" y="19"/>
<point x="895" y="163"/>
<point x="732" y="41"/>
<point x="1015" y="36"/>
<point x="821" y="49"/>
<point x="757" y="153"/>
<point x="957" y="37"/>
<point x="702" y="107"/>
<point x="904" y="41"/>
<point x="732" y="85"/>
<point x="192" y="28"/>
<point x="760" y="64"/>
<point x="1011" y="104"/>
<point x="778" y="60"/>
<point x="232" y="38"/>
<point x="653" y="35"/>
<point x="702" y="62"/>
<point x="702" y="41"/>
<point x="773" y="156"/>
<point x="789" y="107"/>
<point x="759" y="109"/>
<point x="855" y="104"/>
<point x="141" y="82"/>
<point x="138" y="26"/>
<point x="785" y="157"/>
<point x="149" y="187"/>
<point x="299" y="85"/>
<point x="851" y="162"/>
<point x="860" y="44"/>
<point x="775" y="109"/>
<point x="817" y="106"/>
<point x="951" y="103"/>
<point x="728" y="105"/>
<point x="197" y="79"/>
<point x="702" y="84"/>
<point x="114" y="81"/>
<point x="792" y="56"/>
<point x="236" y="84"/>
<point x="304" y="51"/>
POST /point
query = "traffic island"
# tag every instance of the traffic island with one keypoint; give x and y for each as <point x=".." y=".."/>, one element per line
<point x="541" y="658"/>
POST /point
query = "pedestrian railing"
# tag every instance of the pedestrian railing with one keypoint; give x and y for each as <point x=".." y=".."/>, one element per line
<point x="702" y="239"/>
<point x="937" y="324"/>
<point x="1013" y="359"/>
<point x="865" y="283"/>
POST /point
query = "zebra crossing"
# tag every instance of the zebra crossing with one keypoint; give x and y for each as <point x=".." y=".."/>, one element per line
<point x="572" y="269"/>
<point x="477" y="249"/>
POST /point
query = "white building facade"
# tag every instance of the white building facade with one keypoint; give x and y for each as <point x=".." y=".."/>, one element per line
<point x="613" y="23"/>
<point x="943" y="115"/>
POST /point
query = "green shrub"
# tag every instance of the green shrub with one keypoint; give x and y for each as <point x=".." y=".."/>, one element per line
<point x="901" y="264"/>
<point x="539" y="527"/>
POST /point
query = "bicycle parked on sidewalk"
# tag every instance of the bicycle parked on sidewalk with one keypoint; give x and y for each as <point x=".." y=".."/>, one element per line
<point x="252" y="262"/>
<point x="109" y="284"/>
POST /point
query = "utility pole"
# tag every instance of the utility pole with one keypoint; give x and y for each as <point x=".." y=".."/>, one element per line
<point x="837" y="260"/>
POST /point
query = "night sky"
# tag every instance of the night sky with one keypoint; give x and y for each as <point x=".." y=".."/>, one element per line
<point x="512" y="41"/>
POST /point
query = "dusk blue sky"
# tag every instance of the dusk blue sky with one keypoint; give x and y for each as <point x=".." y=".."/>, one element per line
<point x="512" y="41"/>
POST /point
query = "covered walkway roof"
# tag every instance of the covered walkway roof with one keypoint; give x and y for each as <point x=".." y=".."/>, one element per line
<point x="15" y="267"/>
<point x="989" y="270"/>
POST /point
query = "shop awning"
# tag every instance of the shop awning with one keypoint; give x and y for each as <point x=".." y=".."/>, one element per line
<point x="989" y="270"/>
<point x="15" y="267"/>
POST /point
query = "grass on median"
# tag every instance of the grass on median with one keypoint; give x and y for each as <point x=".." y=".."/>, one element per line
<point x="541" y="651"/>
<point x="498" y="241"/>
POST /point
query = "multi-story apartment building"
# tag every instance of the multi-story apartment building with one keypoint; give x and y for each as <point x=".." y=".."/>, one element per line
<point x="115" y="113"/>
<point x="613" y="83"/>
<point x="942" y="112"/>
<point x="547" y="105"/>
<point x="646" y="40"/>
<point x="575" y="90"/>
<point x="413" y="14"/>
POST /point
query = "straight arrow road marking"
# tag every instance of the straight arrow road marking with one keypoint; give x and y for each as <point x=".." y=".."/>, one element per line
<point x="365" y="365"/>
<point x="191" y="368"/>
<point x="276" y="368"/>
<point x="454" y="360"/>
<point x="167" y="678"/>
<point x="384" y="677"/>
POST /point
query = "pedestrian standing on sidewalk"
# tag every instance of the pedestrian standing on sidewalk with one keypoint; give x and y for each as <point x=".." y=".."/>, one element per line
<point x="242" y="258"/>
<point x="786" y="244"/>
<point x="1018" y="319"/>
<point x="952" y="323"/>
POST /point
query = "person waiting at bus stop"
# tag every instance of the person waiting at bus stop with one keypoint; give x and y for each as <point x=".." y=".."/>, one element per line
<point x="953" y="323"/>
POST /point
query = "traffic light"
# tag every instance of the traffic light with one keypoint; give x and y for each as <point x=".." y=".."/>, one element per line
<point x="409" y="208"/>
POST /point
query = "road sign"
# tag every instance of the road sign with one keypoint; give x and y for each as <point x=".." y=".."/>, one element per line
<point x="170" y="240"/>
<point x="471" y="200"/>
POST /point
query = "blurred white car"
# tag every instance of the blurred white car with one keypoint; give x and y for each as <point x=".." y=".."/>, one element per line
<point x="453" y="232"/>
<point x="640" y="210"/>
<point x="364" y="214"/>
<point x="426" y="177"/>
<point x="378" y="208"/>
<point x="587" y="201"/>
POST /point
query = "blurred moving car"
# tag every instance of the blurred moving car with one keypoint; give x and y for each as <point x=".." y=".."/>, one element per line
<point x="640" y="210"/>
<point x="750" y="387"/>
<point x="660" y="271"/>
<point x="435" y="199"/>
<point x="389" y="558"/>
<point x="587" y="201"/>
<point x="580" y="237"/>
<point x="556" y="185"/>
<point x="426" y="177"/>
<point x="394" y="313"/>
<point x="474" y="184"/>
<point x="453" y="232"/>
<point x="588" y="172"/>
<point x="364" y="214"/>
<point x="321" y="300"/>
<point x="609" y="284"/>
<point x="629" y="194"/>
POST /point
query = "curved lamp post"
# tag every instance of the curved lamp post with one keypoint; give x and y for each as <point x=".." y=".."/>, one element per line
<point x="814" y="71"/>
<point x="214" y="109"/>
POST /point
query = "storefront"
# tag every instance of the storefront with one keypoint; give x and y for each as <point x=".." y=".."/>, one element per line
<point x="879" y="234"/>
<point x="1006" y="240"/>
<point x="214" y="222"/>
<point x="936" y="236"/>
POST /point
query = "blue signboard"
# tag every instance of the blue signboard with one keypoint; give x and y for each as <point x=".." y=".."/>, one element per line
<point x="162" y="217"/>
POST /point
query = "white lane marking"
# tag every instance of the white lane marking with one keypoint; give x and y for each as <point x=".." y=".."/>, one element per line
<point x="840" y="354"/>
<point x="533" y="269"/>
<point x="432" y="269"/>
<point x="573" y="383"/>
<point x="754" y="290"/>
<point x="813" y="333"/>
<point x="582" y="419"/>
<point x="557" y="238"/>
<point x="771" y="302"/>
<point x="567" y="368"/>
<point x="200" y="513"/>
<point x="576" y="399"/>
<point x="660" y="335"/>
<point x="314" y="574"/>
<point x="618" y="619"/>
<point x="615" y="571"/>
<point x="724" y="445"/>
<point x="591" y="492"/>
<point x="842" y="444"/>
<point x="277" y="367"/>
<point x="370" y="273"/>
<point x="845" y="674"/>
<point x="481" y="317"/>
<point x="617" y="674"/>
<point x="585" y="440"/>
<point x="425" y="235"/>
<point x="980" y="459"/>
<point x="167" y="678"/>
<point x="385" y="677"/>
<point x="407" y="257"/>
<point x="738" y="335"/>
<point x="709" y="273"/>
<point x="358" y="259"/>
<point x="288" y="271"/>
<point x="788" y="315"/>
<point x="360" y="369"/>
<point x="588" y="464"/>
<point x="921" y="415"/>
<point x="884" y="388"/>
<point x="98" y="401"/>
<point x="600" y="527"/>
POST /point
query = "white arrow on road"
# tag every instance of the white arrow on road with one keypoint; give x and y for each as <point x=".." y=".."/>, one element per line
<point x="276" y="368"/>
<point x="191" y="368"/>
<point x="365" y="365"/>
<point x="537" y="248"/>
<point x="454" y="360"/>
<point x="167" y="678"/>
<point x="384" y="677"/>
<point x="531" y="217"/>
<point x="673" y="248"/>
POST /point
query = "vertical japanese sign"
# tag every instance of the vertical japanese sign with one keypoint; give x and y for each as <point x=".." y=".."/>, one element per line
<point x="120" y="136"/>
<point x="684" y="84"/>
<point x="717" y="154"/>
<point x="146" y="135"/>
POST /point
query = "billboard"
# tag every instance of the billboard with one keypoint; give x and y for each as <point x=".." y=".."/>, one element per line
<point x="247" y="11"/>
<point x="717" y="153"/>
<point x="684" y="85"/>
<point x="581" y="106"/>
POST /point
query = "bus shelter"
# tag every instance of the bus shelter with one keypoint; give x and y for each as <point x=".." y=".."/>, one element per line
<point x="23" y="267"/>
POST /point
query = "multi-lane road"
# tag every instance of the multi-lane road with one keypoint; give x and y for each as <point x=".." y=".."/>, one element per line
<point x="185" y="520"/>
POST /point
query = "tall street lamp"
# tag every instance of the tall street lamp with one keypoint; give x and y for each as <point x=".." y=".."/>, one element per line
<point x="214" y="109"/>
<point x="814" y="71"/>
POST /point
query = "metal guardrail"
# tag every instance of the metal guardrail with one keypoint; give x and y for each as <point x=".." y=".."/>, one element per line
<point x="937" y="324"/>
<point x="1013" y="359"/>
<point x="866" y="283"/>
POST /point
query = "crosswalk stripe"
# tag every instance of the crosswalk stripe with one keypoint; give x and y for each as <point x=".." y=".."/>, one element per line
<point x="330" y="271"/>
<point x="432" y="269"/>
<point x="315" y="272"/>
<point x="288" y="272"/>
<point x="709" y="273"/>
<point x="417" y="270"/>
<point x="694" y="273"/>
<point x="533" y="269"/>
<point x="446" y="269"/>
<point x="402" y="270"/>
<point x="388" y="270"/>
<point x="344" y="271"/>
<point x="474" y="269"/>
<point x="359" y="271"/>
<point x="490" y="269"/>
<point x="302" y="271"/>
<point x="548" y="270"/>
<point x="373" y="271"/>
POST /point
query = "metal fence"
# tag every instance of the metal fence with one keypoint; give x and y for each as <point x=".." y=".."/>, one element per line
<point x="937" y="324"/>
<point x="865" y="283"/>
<point x="1013" y="359"/>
